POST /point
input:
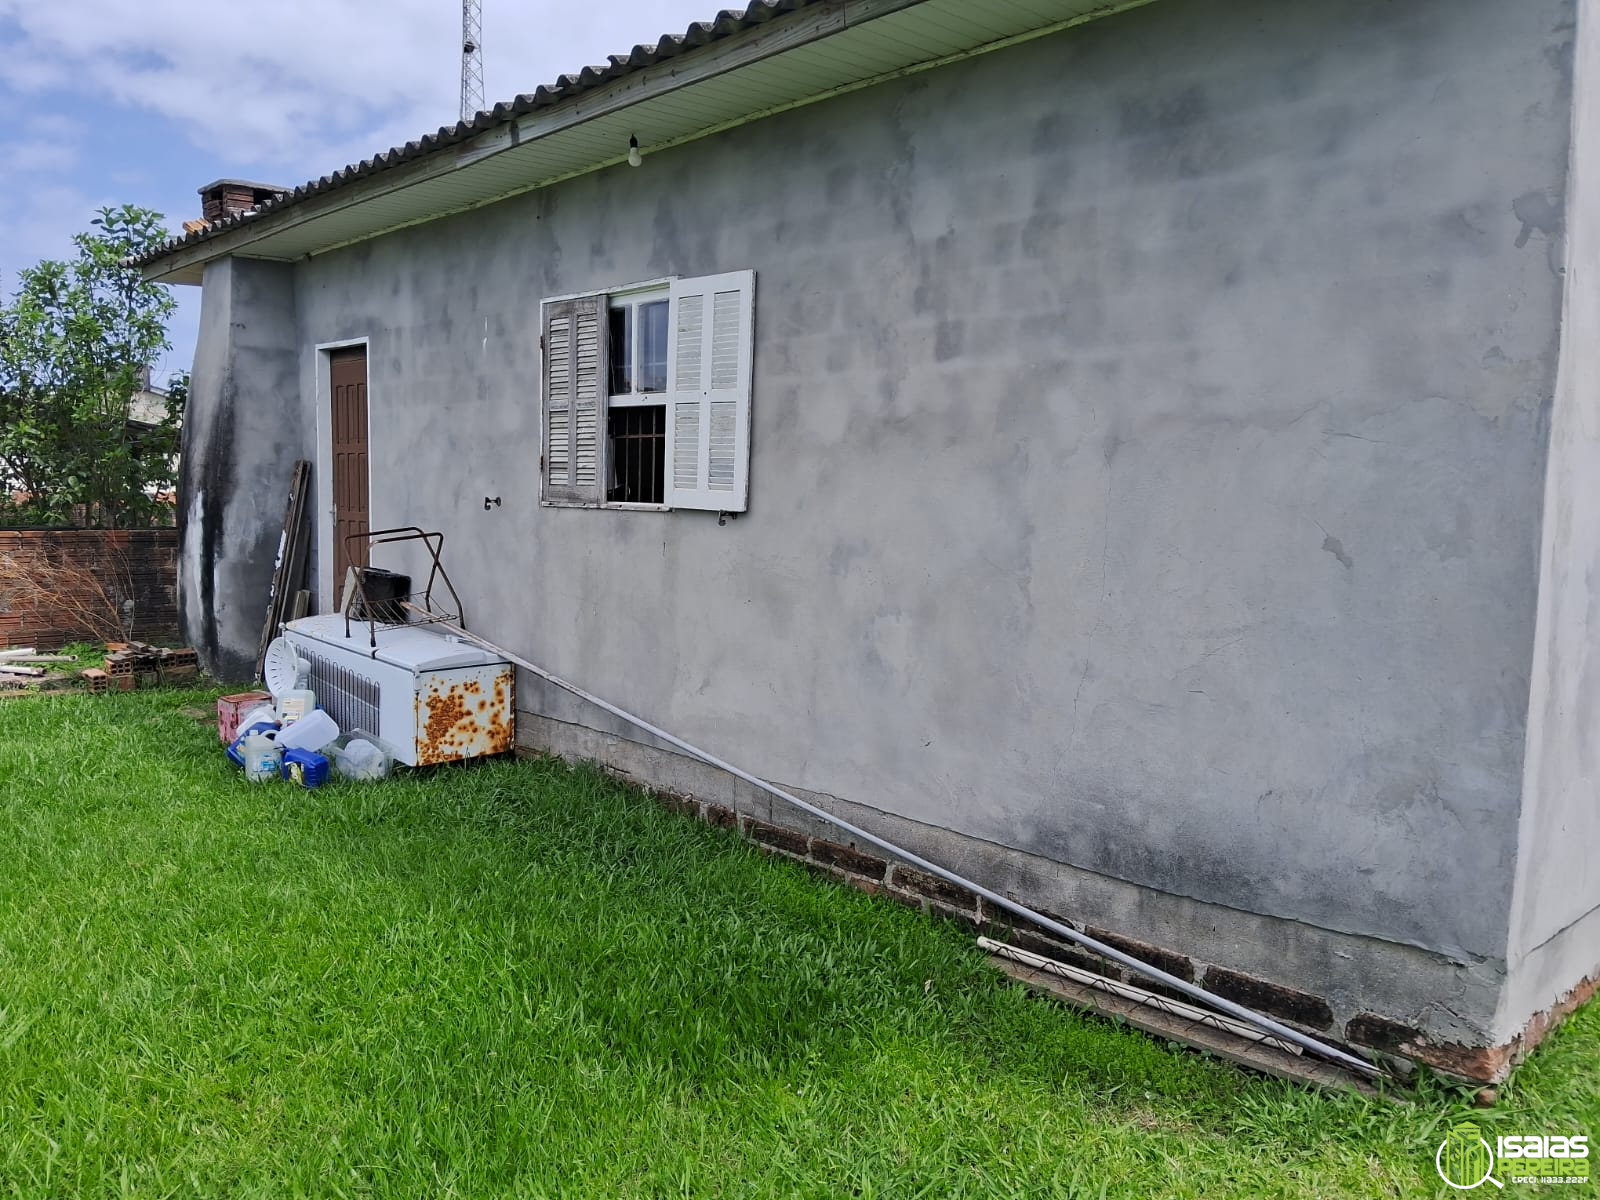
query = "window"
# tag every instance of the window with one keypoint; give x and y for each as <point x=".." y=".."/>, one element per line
<point x="636" y="416"/>
<point x="664" y="371"/>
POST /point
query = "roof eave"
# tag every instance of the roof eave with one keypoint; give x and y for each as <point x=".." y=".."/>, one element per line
<point x="281" y="229"/>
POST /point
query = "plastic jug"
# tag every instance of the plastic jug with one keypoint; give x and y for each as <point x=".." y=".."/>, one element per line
<point x="296" y="703"/>
<point x="236" y="747"/>
<point x="263" y="758"/>
<point x="360" y="756"/>
<point x="305" y="767"/>
<point x="311" y="732"/>
<point x="256" y="714"/>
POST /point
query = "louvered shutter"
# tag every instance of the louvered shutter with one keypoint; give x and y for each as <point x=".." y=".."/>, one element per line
<point x="708" y="392"/>
<point x="574" y="361"/>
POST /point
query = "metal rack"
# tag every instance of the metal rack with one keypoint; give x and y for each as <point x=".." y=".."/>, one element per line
<point x="420" y="604"/>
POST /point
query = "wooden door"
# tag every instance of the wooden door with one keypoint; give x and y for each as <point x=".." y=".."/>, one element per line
<point x="348" y="369"/>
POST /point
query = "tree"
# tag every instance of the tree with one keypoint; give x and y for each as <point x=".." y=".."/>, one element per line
<point x="75" y="342"/>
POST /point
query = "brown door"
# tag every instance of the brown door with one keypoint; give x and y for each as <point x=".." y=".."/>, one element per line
<point x="348" y="369"/>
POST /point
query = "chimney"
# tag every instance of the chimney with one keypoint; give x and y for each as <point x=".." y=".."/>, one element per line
<point x="230" y="197"/>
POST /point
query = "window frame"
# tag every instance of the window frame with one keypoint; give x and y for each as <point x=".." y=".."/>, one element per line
<point x="631" y="291"/>
<point x="631" y="301"/>
<point x="633" y="294"/>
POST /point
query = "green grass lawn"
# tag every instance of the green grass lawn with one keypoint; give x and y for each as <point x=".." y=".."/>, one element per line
<point x="520" y="979"/>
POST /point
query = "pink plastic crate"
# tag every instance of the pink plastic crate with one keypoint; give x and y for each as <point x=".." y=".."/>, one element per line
<point x="231" y="708"/>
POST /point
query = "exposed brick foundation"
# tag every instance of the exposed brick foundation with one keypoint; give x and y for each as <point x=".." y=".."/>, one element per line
<point x="1037" y="942"/>
<point x="940" y="898"/>
<point x="907" y="885"/>
<point x="1271" y="998"/>
<point x="1476" y="1064"/>
<point x="931" y="887"/>
<point x="1380" y="1033"/>
<point x="1173" y="964"/>
<point x="1480" y="1064"/>
<point x="849" y="860"/>
<point x="777" y="837"/>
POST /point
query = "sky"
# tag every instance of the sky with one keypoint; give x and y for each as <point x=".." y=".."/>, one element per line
<point x="106" y="102"/>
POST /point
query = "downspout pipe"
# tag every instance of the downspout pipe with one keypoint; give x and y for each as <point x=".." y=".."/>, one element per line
<point x="1223" y="1005"/>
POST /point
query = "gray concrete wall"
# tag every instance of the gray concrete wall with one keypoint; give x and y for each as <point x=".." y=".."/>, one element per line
<point x="1354" y="974"/>
<point x="240" y="440"/>
<point x="1555" y="925"/>
<point x="1149" y="428"/>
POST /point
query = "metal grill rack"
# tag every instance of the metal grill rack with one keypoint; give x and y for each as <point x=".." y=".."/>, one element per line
<point x="417" y="607"/>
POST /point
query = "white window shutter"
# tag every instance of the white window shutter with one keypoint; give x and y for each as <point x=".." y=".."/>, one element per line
<point x="709" y="363"/>
<point x="574" y="365"/>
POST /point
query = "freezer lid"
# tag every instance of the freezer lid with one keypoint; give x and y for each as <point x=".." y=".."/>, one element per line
<point x="415" y="648"/>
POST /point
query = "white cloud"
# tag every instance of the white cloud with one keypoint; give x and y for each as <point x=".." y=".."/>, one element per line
<point x="310" y="84"/>
<point x="44" y="145"/>
<point x="46" y="215"/>
<point x="39" y="157"/>
<point x="289" y="89"/>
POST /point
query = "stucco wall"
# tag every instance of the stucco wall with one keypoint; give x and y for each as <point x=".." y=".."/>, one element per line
<point x="1149" y="426"/>
<point x="241" y="437"/>
<point x="1555" y="928"/>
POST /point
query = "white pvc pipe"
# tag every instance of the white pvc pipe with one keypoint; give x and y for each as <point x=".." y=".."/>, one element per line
<point x="1221" y="1004"/>
<point x="1139" y="995"/>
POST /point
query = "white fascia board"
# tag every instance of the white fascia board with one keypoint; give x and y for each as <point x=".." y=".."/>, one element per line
<point x="760" y="43"/>
<point x="670" y="75"/>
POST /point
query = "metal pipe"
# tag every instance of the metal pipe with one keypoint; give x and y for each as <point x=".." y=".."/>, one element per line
<point x="1221" y="1004"/>
<point x="1129" y="991"/>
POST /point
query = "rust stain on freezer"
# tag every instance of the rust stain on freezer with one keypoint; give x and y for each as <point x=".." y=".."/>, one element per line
<point x="452" y="723"/>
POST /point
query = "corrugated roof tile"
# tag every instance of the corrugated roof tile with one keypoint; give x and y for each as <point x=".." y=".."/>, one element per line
<point x="701" y="33"/>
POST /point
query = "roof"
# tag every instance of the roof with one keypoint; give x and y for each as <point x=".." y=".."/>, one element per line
<point x="775" y="54"/>
<point x="242" y="183"/>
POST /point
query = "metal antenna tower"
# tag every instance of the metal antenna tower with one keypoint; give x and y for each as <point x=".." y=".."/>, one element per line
<point x="471" y="58"/>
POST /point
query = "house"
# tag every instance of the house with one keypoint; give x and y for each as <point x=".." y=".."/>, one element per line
<point x="1145" y="459"/>
<point x="149" y="406"/>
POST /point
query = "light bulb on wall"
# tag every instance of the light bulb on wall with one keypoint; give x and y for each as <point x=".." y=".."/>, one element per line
<point x="634" y="157"/>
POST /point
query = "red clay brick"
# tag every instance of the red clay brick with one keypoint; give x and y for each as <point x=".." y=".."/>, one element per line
<point x="1164" y="960"/>
<point x="143" y="562"/>
<point x="776" y="836"/>
<point x="1271" y="998"/>
<point x="931" y="887"/>
<point x="848" y="858"/>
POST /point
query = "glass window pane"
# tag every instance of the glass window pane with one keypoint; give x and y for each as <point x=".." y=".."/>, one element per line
<point x="653" y="346"/>
<point x="621" y="351"/>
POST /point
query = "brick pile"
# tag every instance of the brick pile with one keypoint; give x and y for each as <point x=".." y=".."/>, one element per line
<point x="135" y="664"/>
<point x="177" y="667"/>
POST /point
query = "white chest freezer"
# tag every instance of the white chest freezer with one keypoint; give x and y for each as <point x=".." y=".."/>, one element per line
<point x="431" y="697"/>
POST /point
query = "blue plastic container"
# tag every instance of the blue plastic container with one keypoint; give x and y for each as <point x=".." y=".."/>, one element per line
<point x="305" y="767"/>
<point x="236" y="747"/>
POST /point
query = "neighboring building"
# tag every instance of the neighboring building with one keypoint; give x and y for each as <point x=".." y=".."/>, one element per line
<point x="1150" y="466"/>
<point x="148" y="408"/>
